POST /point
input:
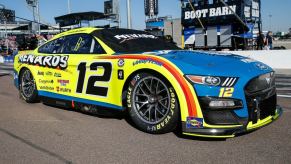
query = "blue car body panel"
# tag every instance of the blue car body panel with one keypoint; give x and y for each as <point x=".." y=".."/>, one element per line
<point x="218" y="64"/>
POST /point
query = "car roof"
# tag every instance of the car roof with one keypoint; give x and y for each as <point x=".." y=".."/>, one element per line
<point x="86" y="30"/>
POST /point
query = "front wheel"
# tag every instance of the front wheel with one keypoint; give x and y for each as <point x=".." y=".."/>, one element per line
<point x="152" y="103"/>
<point x="27" y="87"/>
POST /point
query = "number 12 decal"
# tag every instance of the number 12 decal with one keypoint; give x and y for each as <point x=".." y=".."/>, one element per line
<point x="91" y="88"/>
<point x="226" y="92"/>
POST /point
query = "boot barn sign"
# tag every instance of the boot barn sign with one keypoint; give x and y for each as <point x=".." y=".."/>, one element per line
<point x="212" y="15"/>
<point x="212" y="12"/>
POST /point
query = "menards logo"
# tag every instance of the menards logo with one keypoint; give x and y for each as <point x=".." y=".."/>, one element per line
<point x="51" y="61"/>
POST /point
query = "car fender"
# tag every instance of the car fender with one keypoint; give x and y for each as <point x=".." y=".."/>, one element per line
<point x="188" y="101"/>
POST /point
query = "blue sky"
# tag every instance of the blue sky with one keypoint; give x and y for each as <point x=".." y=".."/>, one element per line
<point x="279" y="9"/>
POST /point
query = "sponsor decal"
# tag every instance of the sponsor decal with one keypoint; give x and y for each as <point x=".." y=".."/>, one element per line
<point x="193" y="122"/>
<point x="120" y="63"/>
<point x="51" y="61"/>
<point x="46" y="88"/>
<point x="64" y="82"/>
<point x="49" y="73"/>
<point x="57" y="74"/>
<point x="212" y="12"/>
<point x="120" y="74"/>
<point x="134" y="36"/>
<point x="63" y="90"/>
<point x="46" y="81"/>
<point x="147" y="61"/>
<point x="126" y="37"/>
<point x="40" y="73"/>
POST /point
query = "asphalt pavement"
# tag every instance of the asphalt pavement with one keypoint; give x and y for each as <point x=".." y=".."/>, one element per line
<point x="6" y="68"/>
<point x="37" y="133"/>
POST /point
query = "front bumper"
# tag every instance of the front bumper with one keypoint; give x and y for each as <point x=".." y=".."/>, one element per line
<point x="231" y="131"/>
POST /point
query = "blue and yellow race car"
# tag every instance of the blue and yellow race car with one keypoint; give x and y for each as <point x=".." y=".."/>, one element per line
<point x="161" y="86"/>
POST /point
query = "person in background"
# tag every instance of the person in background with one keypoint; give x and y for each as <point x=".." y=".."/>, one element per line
<point x="269" y="40"/>
<point x="260" y="41"/>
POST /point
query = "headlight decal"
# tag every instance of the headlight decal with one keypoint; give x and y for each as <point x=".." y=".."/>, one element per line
<point x="213" y="80"/>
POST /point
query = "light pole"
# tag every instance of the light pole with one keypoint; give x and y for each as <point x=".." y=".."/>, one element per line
<point x="270" y="21"/>
<point x="38" y="14"/>
<point x="35" y="6"/>
<point x="128" y="14"/>
<point x="69" y="7"/>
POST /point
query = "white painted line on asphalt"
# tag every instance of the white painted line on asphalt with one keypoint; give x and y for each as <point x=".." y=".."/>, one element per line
<point x="284" y="96"/>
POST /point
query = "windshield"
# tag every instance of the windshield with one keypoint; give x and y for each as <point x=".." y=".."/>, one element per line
<point x="132" y="41"/>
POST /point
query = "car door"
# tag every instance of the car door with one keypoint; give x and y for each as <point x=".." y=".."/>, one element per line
<point x="52" y="64"/>
<point x="88" y="78"/>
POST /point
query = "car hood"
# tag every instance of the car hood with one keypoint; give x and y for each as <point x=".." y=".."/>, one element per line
<point x="214" y="63"/>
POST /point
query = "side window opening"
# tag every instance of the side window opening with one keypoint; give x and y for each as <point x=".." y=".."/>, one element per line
<point x="52" y="47"/>
<point x="73" y="44"/>
<point x="81" y="44"/>
<point x="97" y="48"/>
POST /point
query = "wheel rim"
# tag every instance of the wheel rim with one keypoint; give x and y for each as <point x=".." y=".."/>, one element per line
<point x="151" y="100"/>
<point x="27" y="84"/>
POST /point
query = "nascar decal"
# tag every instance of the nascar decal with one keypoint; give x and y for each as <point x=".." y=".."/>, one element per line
<point x="192" y="111"/>
<point x="51" y="61"/>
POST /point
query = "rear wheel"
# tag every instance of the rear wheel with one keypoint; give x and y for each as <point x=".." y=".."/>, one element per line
<point x="27" y="87"/>
<point x="152" y="102"/>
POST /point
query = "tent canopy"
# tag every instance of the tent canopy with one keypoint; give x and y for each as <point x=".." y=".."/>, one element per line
<point x="76" y="18"/>
<point x="26" y="27"/>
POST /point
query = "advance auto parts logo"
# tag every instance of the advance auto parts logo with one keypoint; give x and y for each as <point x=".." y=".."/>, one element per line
<point x="51" y="61"/>
<point x="126" y="37"/>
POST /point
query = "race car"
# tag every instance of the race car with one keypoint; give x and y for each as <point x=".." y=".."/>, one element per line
<point x="161" y="86"/>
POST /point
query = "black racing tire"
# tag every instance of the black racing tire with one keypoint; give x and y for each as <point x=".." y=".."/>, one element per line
<point x="27" y="87"/>
<point x="152" y="104"/>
